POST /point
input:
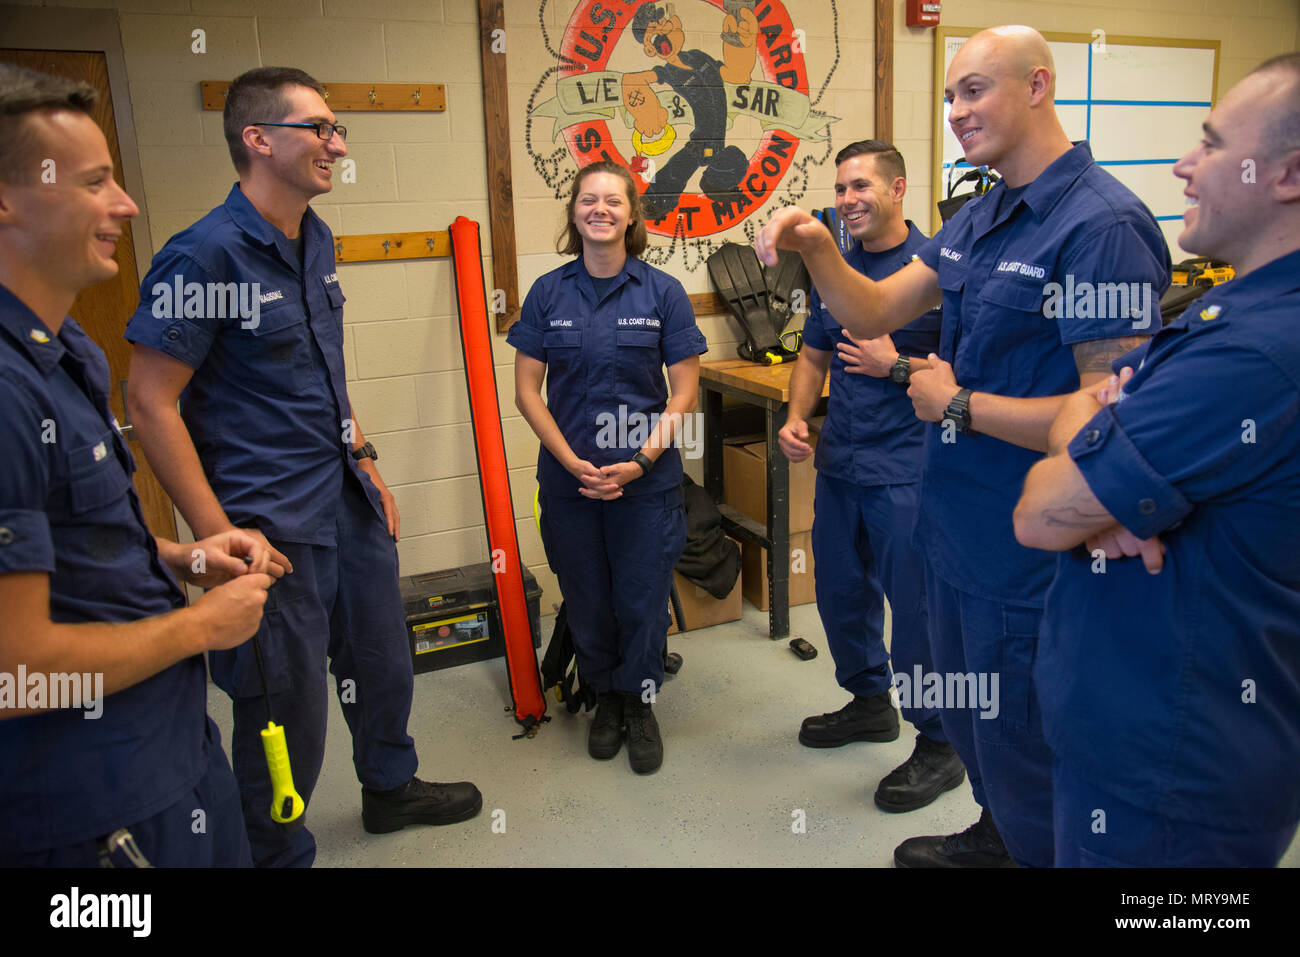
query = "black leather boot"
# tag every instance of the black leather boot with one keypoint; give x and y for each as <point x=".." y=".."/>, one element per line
<point x="979" y="845"/>
<point x="605" y="737"/>
<point x="932" y="769"/>
<point x="645" y="748"/>
<point x="418" y="802"/>
<point x="862" y="719"/>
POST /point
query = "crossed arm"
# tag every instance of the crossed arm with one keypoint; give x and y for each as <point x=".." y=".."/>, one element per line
<point x="1058" y="510"/>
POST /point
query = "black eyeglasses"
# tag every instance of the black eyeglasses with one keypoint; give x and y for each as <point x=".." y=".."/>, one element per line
<point x="323" y="130"/>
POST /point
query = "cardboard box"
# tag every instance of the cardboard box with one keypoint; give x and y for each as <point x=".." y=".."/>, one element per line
<point x="753" y="564"/>
<point x="744" y="483"/>
<point x="700" y="609"/>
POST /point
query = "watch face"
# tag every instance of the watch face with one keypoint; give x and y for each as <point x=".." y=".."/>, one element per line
<point x="898" y="374"/>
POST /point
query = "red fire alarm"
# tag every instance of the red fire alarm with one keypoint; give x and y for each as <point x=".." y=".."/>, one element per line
<point x="923" y="13"/>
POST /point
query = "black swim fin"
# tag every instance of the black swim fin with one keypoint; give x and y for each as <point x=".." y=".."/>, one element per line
<point x="788" y="288"/>
<point x="838" y="227"/>
<point x="738" y="278"/>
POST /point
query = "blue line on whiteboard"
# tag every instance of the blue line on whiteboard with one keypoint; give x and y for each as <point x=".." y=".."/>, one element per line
<point x="1091" y="103"/>
<point x="1164" y="218"/>
<point x="1087" y="122"/>
<point x="962" y="164"/>
<point x="1136" y="162"/>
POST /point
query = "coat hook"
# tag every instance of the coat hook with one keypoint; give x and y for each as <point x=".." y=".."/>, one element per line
<point x="416" y="95"/>
<point x="338" y="248"/>
<point x="372" y="96"/>
<point x="386" y="244"/>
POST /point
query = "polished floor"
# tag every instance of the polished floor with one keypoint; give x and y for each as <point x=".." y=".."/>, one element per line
<point x="736" y="788"/>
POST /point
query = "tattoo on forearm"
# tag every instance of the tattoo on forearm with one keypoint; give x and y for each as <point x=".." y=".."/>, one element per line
<point x="1096" y="355"/>
<point x="1071" y="517"/>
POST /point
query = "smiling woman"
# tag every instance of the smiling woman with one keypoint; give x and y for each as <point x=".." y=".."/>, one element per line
<point x="599" y="332"/>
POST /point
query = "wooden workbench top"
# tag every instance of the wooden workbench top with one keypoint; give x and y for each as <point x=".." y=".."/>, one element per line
<point x="768" y="382"/>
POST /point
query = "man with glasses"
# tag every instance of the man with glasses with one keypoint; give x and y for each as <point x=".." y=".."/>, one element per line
<point x="241" y="322"/>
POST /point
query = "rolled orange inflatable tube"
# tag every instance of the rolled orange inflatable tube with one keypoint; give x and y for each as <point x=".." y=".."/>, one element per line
<point x="494" y="479"/>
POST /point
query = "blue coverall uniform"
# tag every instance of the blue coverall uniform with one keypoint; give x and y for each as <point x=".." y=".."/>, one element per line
<point x="605" y="385"/>
<point x="1172" y="701"/>
<point x="152" y="757"/>
<point x="1002" y="333"/>
<point x="868" y="460"/>
<point x="268" y="411"/>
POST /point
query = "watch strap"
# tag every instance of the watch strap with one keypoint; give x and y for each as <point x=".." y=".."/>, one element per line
<point x="958" y="410"/>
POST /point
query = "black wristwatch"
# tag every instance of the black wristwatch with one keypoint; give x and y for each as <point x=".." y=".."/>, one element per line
<point x="958" y="411"/>
<point x="366" y="451"/>
<point x="901" y="370"/>
<point x="644" y="461"/>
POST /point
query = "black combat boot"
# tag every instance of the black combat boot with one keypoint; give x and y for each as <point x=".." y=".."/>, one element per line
<point x="862" y="719"/>
<point x="645" y="747"/>
<point x="605" y="736"/>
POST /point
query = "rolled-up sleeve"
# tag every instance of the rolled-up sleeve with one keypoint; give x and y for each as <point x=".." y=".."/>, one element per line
<point x="159" y="322"/>
<point x="1140" y="498"/>
<point x="1209" y="420"/>
<point x="815" y="335"/>
<point x="681" y="337"/>
<point x="526" y="332"/>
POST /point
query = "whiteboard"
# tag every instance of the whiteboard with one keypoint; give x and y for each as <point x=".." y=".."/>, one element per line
<point x="1139" y="101"/>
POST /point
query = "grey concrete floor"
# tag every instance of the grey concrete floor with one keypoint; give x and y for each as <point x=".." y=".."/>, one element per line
<point x="733" y="779"/>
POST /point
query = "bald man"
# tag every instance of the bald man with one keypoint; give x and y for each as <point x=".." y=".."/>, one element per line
<point x="1172" y="701"/>
<point x="1017" y="272"/>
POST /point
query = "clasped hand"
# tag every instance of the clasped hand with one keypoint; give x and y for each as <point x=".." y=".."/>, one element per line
<point x="605" y="483"/>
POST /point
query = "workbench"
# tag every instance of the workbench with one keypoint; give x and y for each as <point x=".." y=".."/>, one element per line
<point x="767" y="387"/>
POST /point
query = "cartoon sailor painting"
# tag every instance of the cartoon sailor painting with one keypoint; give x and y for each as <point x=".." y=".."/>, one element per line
<point x="698" y="78"/>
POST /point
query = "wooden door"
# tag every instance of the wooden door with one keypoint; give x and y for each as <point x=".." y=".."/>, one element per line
<point x="103" y="310"/>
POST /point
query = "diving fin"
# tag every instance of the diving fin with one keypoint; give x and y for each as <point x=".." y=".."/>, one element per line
<point x="838" y="227"/>
<point x="788" y="286"/>
<point x="738" y="278"/>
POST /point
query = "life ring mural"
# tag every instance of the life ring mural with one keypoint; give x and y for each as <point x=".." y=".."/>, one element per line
<point x="631" y="88"/>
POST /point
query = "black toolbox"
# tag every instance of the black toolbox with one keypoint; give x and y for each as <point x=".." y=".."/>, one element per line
<point x="452" y="616"/>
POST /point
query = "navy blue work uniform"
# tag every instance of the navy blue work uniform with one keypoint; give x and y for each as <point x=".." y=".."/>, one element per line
<point x="605" y="355"/>
<point x="147" y="757"/>
<point x="868" y="460"/>
<point x="1172" y="701"/>
<point x="1075" y="226"/>
<point x="268" y="410"/>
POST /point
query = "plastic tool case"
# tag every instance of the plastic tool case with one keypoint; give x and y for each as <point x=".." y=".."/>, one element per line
<point x="452" y="616"/>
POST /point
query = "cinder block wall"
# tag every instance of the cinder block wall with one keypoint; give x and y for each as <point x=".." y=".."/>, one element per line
<point x="420" y="171"/>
